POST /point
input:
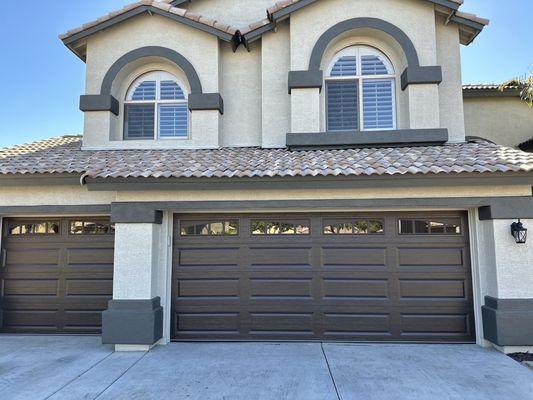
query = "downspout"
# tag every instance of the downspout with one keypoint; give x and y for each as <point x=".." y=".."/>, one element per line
<point x="82" y="179"/>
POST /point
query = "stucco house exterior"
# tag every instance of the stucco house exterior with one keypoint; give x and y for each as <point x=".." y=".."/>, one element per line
<point x="300" y="173"/>
<point x="499" y="116"/>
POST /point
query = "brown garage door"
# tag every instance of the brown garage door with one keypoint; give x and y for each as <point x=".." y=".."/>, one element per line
<point x="367" y="277"/>
<point x="57" y="274"/>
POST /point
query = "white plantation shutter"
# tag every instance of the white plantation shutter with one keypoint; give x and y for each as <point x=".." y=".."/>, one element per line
<point x="378" y="104"/>
<point x="173" y="121"/>
<point x="373" y="65"/>
<point x="345" y="66"/>
<point x="156" y="107"/>
<point x="140" y="121"/>
<point x="342" y="101"/>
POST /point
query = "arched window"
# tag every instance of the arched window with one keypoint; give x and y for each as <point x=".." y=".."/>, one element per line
<point x="156" y="108"/>
<point x="360" y="91"/>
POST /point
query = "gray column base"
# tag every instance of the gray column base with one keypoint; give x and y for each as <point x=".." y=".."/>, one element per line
<point x="136" y="322"/>
<point x="99" y="102"/>
<point x="508" y="322"/>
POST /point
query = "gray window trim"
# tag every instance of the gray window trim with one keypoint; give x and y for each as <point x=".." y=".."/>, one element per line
<point x="351" y="139"/>
<point x="413" y="74"/>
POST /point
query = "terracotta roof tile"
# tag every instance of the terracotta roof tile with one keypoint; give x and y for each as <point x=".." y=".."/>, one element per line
<point x="64" y="155"/>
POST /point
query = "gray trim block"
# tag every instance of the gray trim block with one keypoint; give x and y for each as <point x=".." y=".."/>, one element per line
<point x="152" y="51"/>
<point x="305" y="80"/>
<point x="508" y="322"/>
<point x="421" y="75"/>
<point x="127" y="215"/>
<point x="506" y="208"/>
<point x="137" y="322"/>
<point x="298" y="141"/>
<point x="99" y="102"/>
<point x="206" y="101"/>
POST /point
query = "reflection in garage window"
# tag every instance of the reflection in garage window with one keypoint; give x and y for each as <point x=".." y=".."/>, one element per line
<point x="355" y="227"/>
<point x="91" y="228"/>
<point x="280" y="227"/>
<point x="209" y="228"/>
<point x="445" y="226"/>
<point x="34" y="228"/>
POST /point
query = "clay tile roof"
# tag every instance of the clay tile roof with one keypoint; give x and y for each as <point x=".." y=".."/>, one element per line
<point x="163" y="5"/>
<point x="64" y="155"/>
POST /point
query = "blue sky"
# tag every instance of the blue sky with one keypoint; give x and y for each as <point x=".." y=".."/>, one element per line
<point x="43" y="80"/>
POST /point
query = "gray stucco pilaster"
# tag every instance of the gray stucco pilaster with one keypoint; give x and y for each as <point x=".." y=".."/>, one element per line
<point x="508" y="322"/>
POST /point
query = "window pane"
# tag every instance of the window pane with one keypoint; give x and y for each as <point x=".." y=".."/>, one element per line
<point x="437" y="227"/>
<point x="140" y="121"/>
<point x="354" y="227"/>
<point x="378" y="103"/>
<point x="145" y="91"/>
<point x="342" y="105"/>
<point x="338" y="229"/>
<point x="173" y="120"/>
<point x="345" y="66"/>
<point x="34" y="228"/>
<point x="367" y="227"/>
<point x="421" y="226"/>
<point x="209" y="228"/>
<point x="446" y="226"/>
<point x="170" y="90"/>
<point x="287" y="227"/>
<point x="406" y="226"/>
<point x="373" y="65"/>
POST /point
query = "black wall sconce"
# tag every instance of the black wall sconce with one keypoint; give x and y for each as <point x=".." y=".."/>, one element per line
<point x="519" y="232"/>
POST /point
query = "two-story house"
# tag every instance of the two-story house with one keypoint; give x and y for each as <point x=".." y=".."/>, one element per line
<point x="300" y="173"/>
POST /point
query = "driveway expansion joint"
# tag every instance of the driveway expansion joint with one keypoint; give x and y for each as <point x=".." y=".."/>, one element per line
<point x="329" y="370"/>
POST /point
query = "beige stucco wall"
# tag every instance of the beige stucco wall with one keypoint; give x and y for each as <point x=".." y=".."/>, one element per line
<point x="240" y="87"/>
<point x="103" y="129"/>
<point x="450" y="89"/>
<point x="507" y="121"/>
<point x="238" y="13"/>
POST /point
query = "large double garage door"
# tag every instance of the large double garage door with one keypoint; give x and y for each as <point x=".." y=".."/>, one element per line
<point x="56" y="274"/>
<point x="346" y="277"/>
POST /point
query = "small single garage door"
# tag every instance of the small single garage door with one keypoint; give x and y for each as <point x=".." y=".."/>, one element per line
<point x="57" y="274"/>
<point x="355" y="277"/>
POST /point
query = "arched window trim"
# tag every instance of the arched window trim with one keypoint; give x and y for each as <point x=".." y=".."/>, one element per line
<point x="157" y="77"/>
<point x="359" y="51"/>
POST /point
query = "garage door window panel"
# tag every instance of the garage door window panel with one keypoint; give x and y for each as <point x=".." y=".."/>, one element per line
<point x="430" y="227"/>
<point x="354" y="227"/>
<point x="34" y="228"/>
<point x="91" y="227"/>
<point x="209" y="228"/>
<point x="280" y="227"/>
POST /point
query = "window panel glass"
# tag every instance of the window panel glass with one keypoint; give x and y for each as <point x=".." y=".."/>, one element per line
<point x="378" y="103"/>
<point x="430" y="227"/>
<point x="209" y="228"/>
<point x="170" y="90"/>
<point x="282" y="227"/>
<point x="140" y="121"/>
<point x="345" y="66"/>
<point x="373" y="65"/>
<point x="173" y="120"/>
<point x="145" y="91"/>
<point x="342" y="105"/>
<point x="91" y="228"/>
<point x="354" y="227"/>
<point x="34" y="228"/>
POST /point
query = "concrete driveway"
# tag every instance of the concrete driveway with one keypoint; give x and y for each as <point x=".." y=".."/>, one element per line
<point x="33" y="367"/>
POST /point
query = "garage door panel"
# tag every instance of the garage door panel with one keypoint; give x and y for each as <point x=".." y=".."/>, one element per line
<point x="209" y="257"/>
<point x="221" y="288"/>
<point x="355" y="289"/>
<point x="208" y="322"/>
<point x="31" y="257"/>
<point x="354" y="257"/>
<point x="280" y="288"/>
<point x="89" y="287"/>
<point x="430" y="257"/>
<point x="20" y="319"/>
<point x="356" y="324"/>
<point x="319" y="285"/>
<point x="428" y="324"/>
<point x="56" y="282"/>
<point x="34" y="287"/>
<point x="93" y="256"/>
<point x="279" y="256"/>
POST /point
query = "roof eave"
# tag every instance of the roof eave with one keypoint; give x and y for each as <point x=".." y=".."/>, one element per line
<point x="70" y="40"/>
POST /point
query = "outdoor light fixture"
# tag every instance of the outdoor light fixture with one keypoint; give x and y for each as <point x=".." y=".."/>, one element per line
<point x="519" y="232"/>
